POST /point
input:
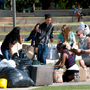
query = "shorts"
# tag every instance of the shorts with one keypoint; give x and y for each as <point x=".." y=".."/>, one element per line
<point x="87" y="61"/>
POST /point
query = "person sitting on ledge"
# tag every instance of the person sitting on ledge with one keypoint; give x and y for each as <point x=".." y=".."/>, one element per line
<point x="77" y="12"/>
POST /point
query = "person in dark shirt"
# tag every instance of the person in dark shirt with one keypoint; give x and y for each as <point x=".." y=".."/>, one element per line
<point x="33" y="34"/>
<point x="67" y="60"/>
<point x="9" y="41"/>
<point x="42" y="45"/>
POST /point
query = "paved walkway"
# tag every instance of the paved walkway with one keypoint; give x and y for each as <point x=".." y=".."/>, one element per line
<point x="54" y="84"/>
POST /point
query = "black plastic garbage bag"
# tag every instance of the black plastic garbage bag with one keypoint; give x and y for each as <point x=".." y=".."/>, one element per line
<point x="1" y="57"/>
<point x="22" y="53"/>
<point x="24" y="65"/>
<point x="16" y="78"/>
<point x="16" y="58"/>
<point x="25" y="69"/>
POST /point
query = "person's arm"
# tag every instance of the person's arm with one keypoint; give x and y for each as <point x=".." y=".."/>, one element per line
<point x="74" y="41"/>
<point x="28" y="38"/>
<point x="51" y="35"/>
<point x="63" y="59"/>
<point x="20" y="39"/>
<point x="59" y="40"/>
<point x="87" y="50"/>
<point x="88" y="43"/>
<point x="10" y="48"/>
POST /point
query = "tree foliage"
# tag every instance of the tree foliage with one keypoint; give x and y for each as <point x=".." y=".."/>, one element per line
<point x="46" y="4"/>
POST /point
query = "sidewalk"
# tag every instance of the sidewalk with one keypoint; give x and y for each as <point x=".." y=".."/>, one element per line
<point x="54" y="84"/>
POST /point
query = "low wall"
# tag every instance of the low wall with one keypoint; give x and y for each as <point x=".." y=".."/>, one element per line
<point x="64" y="12"/>
<point x="24" y="28"/>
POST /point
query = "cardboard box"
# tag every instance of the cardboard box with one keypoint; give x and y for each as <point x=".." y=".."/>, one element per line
<point x="84" y="74"/>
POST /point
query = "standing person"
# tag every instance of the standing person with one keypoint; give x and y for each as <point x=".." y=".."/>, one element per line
<point x="2" y="2"/>
<point x="41" y="46"/>
<point x="9" y="41"/>
<point x="67" y="60"/>
<point x="32" y="35"/>
<point x="67" y="36"/>
<point x="84" y="48"/>
<point x="78" y="11"/>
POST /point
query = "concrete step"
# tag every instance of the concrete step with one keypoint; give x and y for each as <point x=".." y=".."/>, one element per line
<point x="25" y="28"/>
<point x="5" y="13"/>
<point x="34" y="20"/>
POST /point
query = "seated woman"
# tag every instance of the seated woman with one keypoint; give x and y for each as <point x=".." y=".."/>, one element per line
<point x="67" y="37"/>
<point x="77" y="12"/>
<point x="67" y="60"/>
<point x="9" y="41"/>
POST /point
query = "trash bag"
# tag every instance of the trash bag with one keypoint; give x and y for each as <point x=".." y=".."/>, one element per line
<point x="16" y="78"/>
<point x="24" y="65"/>
<point x="7" y="63"/>
<point x="1" y="57"/>
<point x="22" y="53"/>
<point x="16" y="58"/>
<point x="52" y="52"/>
<point x="25" y="69"/>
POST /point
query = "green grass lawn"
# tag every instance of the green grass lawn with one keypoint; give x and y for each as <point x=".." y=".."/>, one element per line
<point x="68" y="87"/>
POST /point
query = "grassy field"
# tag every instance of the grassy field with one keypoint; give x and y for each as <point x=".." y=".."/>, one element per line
<point x="69" y="87"/>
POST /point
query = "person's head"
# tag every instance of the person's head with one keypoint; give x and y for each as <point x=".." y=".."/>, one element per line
<point x="36" y="27"/>
<point x="79" y="33"/>
<point x="78" y="5"/>
<point x="48" y="19"/>
<point x="66" y="32"/>
<point x="14" y="34"/>
<point x="61" y="47"/>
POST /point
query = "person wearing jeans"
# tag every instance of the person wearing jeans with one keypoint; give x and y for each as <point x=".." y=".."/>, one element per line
<point x="41" y="45"/>
<point x="6" y="54"/>
<point x="10" y="40"/>
<point x="42" y="52"/>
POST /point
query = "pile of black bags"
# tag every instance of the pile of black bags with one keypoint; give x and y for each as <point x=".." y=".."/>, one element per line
<point x="19" y="76"/>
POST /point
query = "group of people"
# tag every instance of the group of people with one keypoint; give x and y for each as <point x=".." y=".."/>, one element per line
<point x="40" y="36"/>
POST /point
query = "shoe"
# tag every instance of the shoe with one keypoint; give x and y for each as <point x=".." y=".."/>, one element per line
<point x="76" y="77"/>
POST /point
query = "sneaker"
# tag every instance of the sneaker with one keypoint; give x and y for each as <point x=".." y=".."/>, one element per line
<point x="76" y="77"/>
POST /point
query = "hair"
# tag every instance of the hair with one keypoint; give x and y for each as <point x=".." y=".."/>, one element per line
<point x="61" y="46"/>
<point x="80" y="31"/>
<point x="34" y="30"/>
<point x="14" y="34"/>
<point x="48" y="16"/>
<point x="66" y="34"/>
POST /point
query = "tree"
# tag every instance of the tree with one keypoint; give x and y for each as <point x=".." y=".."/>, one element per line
<point x="46" y="4"/>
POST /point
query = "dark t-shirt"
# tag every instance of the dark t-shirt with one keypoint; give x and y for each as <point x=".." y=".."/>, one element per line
<point x="5" y="44"/>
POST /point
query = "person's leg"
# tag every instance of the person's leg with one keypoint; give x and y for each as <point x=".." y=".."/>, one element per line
<point x="3" y="5"/>
<point x="9" y="54"/>
<point x="44" y="53"/>
<point x="69" y="75"/>
<point x="40" y="52"/>
<point x="82" y="64"/>
<point x="5" y="54"/>
<point x="79" y="16"/>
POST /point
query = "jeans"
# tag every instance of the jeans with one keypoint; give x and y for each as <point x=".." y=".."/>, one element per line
<point x="6" y="54"/>
<point x="2" y="4"/>
<point x="42" y="52"/>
